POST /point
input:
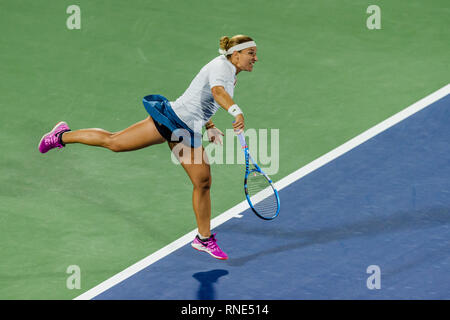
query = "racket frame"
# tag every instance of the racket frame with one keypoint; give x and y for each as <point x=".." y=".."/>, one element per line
<point x="248" y="171"/>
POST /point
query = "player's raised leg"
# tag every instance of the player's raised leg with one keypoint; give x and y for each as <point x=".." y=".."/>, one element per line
<point x="137" y="136"/>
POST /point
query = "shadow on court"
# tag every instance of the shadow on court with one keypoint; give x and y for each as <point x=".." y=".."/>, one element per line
<point x="206" y="291"/>
<point x="402" y="221"/>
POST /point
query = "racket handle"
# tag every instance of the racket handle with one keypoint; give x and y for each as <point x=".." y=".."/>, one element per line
<point x="242" y="140"/>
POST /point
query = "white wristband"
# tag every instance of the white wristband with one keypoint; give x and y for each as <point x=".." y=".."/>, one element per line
<point x="234" y="110"/>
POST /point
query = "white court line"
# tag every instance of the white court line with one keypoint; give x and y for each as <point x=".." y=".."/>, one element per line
<point x="363" y="137"/>
<point x="296" y="175"/>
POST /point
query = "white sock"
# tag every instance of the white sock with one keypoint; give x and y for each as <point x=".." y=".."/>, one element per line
<point x="202" y="237"/>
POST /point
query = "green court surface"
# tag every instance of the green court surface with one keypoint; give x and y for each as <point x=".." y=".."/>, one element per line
<point x="323" y="78"/>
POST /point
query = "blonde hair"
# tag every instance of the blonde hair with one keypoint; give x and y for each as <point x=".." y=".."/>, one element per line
<point x="226" y="42"/>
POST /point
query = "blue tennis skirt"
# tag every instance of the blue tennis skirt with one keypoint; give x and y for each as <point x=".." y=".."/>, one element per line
<point x="171" y="127"/>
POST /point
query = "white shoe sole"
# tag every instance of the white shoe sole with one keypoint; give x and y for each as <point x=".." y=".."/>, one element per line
<point x="199" y="247"/>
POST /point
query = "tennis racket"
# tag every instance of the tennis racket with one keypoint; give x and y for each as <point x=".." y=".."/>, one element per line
<point x="259" y="190"/>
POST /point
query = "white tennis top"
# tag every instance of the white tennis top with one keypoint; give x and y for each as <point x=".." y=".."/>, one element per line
<point x="197" y="105"/>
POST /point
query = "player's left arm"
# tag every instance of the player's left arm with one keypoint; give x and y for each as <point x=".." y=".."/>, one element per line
<point x="209" y="124"/>
<point x="214" y="134"/>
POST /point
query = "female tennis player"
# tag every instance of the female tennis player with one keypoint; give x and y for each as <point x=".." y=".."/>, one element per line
<point x="180" y="124"/>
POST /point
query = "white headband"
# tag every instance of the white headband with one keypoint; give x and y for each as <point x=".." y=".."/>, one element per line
<point x="238" y="47"/>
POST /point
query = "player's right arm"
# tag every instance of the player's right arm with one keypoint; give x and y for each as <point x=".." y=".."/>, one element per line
<point x="225" y="101"/>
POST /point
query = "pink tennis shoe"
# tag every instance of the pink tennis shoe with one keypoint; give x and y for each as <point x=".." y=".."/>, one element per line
<point x="210" y="246"/>
<point x="52" y="139"/>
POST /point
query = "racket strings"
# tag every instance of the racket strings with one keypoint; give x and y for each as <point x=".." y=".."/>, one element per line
<point x="262" y="195"/>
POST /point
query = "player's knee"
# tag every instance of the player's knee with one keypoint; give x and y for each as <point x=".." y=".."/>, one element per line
<point x="114" y="145"/>
<point x="202" y="182"/>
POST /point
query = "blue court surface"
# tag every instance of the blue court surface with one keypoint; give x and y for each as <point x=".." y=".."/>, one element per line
<point x="385" y="203"/>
